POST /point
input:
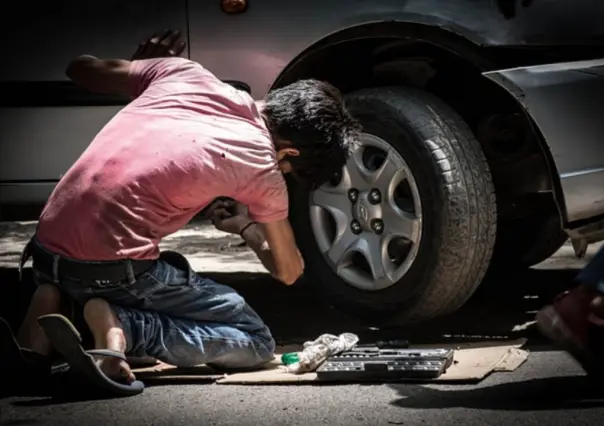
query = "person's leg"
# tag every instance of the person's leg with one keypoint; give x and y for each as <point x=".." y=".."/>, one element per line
<point x="199" y="309"/>
<point x="173" y="289"/>
<point x="174" y="315"/>
<point x="108" y="334"/>
<point x="179" y="342"/>
<point x="575" y="319"/>
<point x="46" y="300"/>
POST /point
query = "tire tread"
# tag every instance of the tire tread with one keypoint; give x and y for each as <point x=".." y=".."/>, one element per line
<point x="466" y="177"/>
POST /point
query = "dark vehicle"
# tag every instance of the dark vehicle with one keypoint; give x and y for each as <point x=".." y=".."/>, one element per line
<point x="483" y="126"/>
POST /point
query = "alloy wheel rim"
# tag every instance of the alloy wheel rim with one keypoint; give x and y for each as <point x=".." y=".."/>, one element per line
<point x="367" y="221"/>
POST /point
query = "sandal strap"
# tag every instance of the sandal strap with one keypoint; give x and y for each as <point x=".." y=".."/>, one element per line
<point x="107" y="352"/>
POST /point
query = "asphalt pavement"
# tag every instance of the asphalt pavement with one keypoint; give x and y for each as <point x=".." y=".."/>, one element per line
<point x="548" y="389"/>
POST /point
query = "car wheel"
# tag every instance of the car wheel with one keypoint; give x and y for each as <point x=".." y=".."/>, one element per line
<point x="405" y="233"/>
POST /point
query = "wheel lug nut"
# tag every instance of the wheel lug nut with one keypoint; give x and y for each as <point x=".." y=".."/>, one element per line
<point x="353" y="195"/>
<point x="377" y="225"/>
<point x="355" y="227"/>
<point x="375" y="197"/>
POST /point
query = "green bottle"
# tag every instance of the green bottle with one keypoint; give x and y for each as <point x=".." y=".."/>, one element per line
<point x="290" y="358"/>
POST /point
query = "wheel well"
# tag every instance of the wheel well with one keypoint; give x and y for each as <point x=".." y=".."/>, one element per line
<point x="450" y="67"/>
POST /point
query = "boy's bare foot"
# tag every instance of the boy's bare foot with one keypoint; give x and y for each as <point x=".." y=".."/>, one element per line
<point x="46" y="300"/>
<point x="108" y="334"/>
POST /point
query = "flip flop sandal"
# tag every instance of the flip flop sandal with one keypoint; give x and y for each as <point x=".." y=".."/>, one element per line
<point x="67" y="341"/>
<point x="18" y="359"/>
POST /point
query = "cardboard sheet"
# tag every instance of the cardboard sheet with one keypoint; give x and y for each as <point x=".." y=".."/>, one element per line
<point x="167" y="373"/>
<point x="473" y="362"/>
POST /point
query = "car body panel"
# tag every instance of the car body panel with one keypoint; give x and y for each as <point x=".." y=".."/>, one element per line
<point x="270" y="34"/>
<point x="48" y="35"/>
<point x="25" y="192"/>
<point x="47" y="138"/>
<point x="565" y="103"/>
<point x="38" y="142"/>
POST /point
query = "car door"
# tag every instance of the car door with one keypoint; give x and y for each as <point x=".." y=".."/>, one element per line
<point x="45" y="121"/>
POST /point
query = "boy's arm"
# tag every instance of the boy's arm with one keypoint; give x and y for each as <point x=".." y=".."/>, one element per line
<point x="269" y="205"/>
<point x="110" y="76"/>
<point x="273" y="242"/>
<point x="115" y="76"/>
<point x="275" y="246"/>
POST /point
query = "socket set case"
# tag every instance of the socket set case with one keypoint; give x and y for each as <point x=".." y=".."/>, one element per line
<point x="372" y="364"/>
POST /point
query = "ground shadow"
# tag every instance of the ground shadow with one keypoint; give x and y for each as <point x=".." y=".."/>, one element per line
<point x="505" y="305"/>
<point x="502" y="309"/>
<point x="20" y="212"/>
<point x="295" y="315"/>
<point x="47" y="390"/>
<point x="556" y="393"/>
<point x="22" y="422"/>
<point x="63" y="396"/>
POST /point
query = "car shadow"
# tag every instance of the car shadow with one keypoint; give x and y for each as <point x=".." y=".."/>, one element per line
<point x="502" y="309"/>
<point x="504" y="306"/>
<point x="554" y="393"/>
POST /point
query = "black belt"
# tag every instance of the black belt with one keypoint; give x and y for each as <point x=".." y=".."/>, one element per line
<point x="117" y="270"/>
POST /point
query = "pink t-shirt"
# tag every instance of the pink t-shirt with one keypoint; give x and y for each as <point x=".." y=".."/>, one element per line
<point x="185" y="139"/>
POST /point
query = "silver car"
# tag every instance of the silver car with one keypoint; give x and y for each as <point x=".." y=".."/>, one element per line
<point x="483" y="127"/>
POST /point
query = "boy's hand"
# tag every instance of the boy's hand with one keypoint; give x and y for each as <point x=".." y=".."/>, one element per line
<point x="166" y="45"/>
<point x="228" y="216"/>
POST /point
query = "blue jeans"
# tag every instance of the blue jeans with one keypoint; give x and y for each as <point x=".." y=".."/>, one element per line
<point x="172" y="314"/>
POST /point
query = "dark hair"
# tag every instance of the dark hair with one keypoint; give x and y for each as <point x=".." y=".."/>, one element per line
<point x="311" y="115"/>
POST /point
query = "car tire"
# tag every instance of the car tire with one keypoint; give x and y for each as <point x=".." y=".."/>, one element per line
<point x="458" y="208"/>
